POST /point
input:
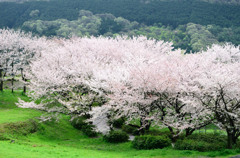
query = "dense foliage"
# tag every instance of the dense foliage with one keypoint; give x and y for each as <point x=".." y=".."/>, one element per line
<point x="165" y="12"/>
<point x="151" y="142"/>
<point x="78" y="122"/>
<point x="199" y="145"/>
<point x="202" y="142"/>
<point x="159" y="19"/>
<point x="116" y="137"/>
<point x="190" y="37"/>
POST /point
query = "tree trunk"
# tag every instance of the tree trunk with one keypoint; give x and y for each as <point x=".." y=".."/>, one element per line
<point x="148" y="126"/>
<point x="12" y="77"/>
<point x="142" y="131"/>
<point x="12" y="84"/>
<point x="230" y="139"/>
<point x="234" y="139"/>
<point x="1" y="85"/>
<point x="189" y="131"/>
<point x="144" y="125"/>
<point x="24" y="89"/>
<point x="1" y="80"/>
<point x="174" y="138"/>
<point x="24" y="79"/>
<point x="229" y="143"/>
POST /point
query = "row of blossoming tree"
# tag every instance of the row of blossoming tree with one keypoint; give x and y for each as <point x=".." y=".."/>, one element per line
<point x="134" y="78"/>
<point x="16" y="50"/>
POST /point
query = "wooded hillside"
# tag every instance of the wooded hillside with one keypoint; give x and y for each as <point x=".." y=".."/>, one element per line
<point x="189" y="24"/>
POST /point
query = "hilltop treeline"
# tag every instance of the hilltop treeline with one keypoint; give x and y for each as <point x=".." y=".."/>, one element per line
<point x="171" y="13"/>
<point x="190" y="37"/>
<point x="189" y="24"/>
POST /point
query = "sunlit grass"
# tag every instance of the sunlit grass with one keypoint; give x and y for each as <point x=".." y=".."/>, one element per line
<point x="60" y="139"/>
<point x="70" y="149"/>
<point x="9" y="111"/>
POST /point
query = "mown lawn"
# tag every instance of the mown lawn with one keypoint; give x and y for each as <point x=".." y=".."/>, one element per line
<point x="61" y="140"/>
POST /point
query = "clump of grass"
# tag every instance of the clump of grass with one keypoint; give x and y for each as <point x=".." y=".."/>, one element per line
<point x="9" y="131"/>
<point x="203" y="142"/>
<point x="21" y="128"/>
<point x="116" y="137"/>
<point x="2" y="137"/>
<point x="151" y="142"/>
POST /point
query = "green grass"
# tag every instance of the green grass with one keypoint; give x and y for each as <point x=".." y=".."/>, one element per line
<point x="210" y="131"/>
<point x="9" y="111"/>
<point x="60" y="139"/>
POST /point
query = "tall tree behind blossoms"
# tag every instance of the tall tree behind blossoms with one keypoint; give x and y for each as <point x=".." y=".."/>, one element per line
<point x="17" y="49"/>
<point x="217" y="87"/>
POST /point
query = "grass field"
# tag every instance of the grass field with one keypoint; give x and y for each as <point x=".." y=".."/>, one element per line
<point x="21" y="137"/>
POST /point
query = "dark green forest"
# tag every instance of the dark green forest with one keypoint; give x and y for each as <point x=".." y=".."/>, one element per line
<point x="168" y="13"/>
<point x="189" y="24"/>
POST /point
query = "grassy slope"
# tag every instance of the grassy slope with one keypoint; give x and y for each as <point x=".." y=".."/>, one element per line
<point x="8" y="110"/>
<point x="60" y="139"/>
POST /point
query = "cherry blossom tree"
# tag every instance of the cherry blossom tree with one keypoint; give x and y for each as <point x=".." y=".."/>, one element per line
<point x="188" y="116"/>
<point x="150" y="88"/>
<point x="139" y="79"/>
<point x="5" y="54"/>
<point x="216" y="87"/>
<point x="79" y="71"/>
<point x="17" y="49"/>
<point x="114" y="75"/>
<point x="3" y="62"/>
<point x="60" y="74"/>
